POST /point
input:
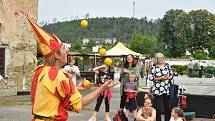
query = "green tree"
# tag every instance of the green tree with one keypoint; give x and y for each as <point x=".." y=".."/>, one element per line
<point x="88" y="48"/>
<point x="76" y="46"/>
<point x="91" y="44"/>
<point x="172" y="33"/>
<point x="202" y="31"/>
<point x="144" y="44"/>
<point x="120" y="28"/>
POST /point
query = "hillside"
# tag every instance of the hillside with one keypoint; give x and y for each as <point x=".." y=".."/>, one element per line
<point x="120" y="28"/>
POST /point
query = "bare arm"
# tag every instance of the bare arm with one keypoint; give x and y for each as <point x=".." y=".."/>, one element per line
<point x="139" y="117"/>
<point x="161" y="78"/>
<point x="133" y="91"/>
<point x="95" y="69"/>
<point x="77" y="72"/>
<point x="153" y="117"/>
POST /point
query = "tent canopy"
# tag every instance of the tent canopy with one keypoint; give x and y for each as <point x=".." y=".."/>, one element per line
<point x="120" y="49"/>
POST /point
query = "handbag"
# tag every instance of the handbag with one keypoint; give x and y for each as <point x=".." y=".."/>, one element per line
<point x="120" y="116"/>
<point x="173" y="90"/>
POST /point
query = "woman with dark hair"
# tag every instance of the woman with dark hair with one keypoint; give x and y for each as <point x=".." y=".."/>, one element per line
<point x="128" y="67"/>
<point x="147" y="113"/>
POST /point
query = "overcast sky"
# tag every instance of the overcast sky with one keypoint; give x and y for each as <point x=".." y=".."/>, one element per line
<point x="152" y="9"/>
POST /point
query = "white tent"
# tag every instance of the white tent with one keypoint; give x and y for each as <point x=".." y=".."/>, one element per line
<point x="120" y="49"/>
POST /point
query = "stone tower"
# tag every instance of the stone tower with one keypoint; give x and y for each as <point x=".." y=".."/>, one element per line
<point x="17" y="46"/>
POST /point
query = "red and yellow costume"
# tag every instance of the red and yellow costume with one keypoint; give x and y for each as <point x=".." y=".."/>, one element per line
<point x="53" y="92"/>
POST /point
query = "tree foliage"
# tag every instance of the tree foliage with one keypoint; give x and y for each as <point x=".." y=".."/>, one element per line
<point x="143" y="44"/>
<point x="202" y="31"/>
<point x="175" y="33"/>
<point x="181" y="31"/>
<point x="172" y="32"/>
<point x="120" y="28"/>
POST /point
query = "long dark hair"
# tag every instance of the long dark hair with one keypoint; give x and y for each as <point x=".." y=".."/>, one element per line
<point x="125" y="65"/>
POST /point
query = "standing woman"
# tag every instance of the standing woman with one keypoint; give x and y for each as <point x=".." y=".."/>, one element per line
<point x="161" y="75"/>
<point x="128" y="67"/>
<point x="103" y="73"/>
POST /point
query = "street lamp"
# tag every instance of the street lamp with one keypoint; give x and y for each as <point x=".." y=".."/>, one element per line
<point x="95" y="50"/>
<point x="133" y="9"/>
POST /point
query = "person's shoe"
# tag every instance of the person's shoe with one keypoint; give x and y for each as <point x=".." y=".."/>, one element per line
<point x="92" y="119"/>
<point x="108" y="119"/>
<point x="135" y="119"/>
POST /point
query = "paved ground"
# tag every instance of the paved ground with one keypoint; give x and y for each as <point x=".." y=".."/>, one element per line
<point x="202" y="86"/>
<point x="23" y="112"/>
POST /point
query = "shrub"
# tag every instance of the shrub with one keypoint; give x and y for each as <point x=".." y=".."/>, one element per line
<point x="210" y="70"/>
<point x="200" y="55"/>
<point x="180" y="69"/>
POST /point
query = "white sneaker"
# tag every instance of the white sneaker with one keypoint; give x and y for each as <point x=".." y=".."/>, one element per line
<point x="92" y="119"/>
<point x="108" y="119"/>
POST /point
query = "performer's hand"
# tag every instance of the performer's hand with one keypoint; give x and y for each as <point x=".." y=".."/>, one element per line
<point x="81" y="87"/>
<point x="21" y="14"/>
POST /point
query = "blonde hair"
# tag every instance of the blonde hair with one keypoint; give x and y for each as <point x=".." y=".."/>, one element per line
<point x="52" y="59"/>
<point x="158" y="55"/>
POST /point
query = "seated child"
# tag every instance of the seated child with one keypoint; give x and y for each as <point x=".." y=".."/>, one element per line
<point x="177" y="114"/>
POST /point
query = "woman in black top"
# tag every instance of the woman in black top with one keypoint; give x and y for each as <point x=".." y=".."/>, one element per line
<point x="103" y="73"/>
<point x="161" y="75"/>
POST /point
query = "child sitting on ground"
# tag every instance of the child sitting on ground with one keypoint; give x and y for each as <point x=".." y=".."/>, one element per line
<point x="177" y="114"/>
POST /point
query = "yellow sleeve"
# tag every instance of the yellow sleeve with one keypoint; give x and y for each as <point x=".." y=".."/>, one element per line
<point x="76" y="101"/>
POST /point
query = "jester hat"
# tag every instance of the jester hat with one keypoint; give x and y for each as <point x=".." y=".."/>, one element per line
<point x="48" y="43"/>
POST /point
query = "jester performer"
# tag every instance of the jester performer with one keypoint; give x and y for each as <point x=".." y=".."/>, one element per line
<point x="53" y="92"/>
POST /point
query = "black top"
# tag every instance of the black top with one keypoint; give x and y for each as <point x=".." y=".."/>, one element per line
<point x="104" y="76"/>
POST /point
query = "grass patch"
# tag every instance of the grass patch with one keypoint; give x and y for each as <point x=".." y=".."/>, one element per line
<point x="16" y="101"/>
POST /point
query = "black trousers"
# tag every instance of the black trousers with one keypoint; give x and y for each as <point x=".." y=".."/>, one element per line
<point x="99" y="102"/>
<point x="190" y="73"/>
<point x="123" y="99"/>
<point x="200" y="72"/>
<point x="158" y="100"/>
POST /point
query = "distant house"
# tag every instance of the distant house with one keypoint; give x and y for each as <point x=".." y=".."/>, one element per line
<point x="99" y="41"/>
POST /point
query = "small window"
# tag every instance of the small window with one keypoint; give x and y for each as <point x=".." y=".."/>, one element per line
<point x="0" y="28"/>
<point x="2" y="62"/>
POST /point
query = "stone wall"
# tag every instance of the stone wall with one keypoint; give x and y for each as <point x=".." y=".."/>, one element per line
<point x="19" y="40"/>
